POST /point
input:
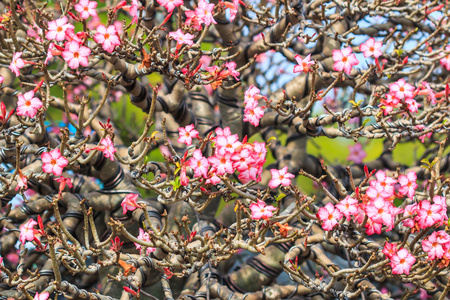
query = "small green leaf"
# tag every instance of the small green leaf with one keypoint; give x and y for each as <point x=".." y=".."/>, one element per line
<point x="280" y="196"/>
<point x="399" y="51"/>
<point x="425" y="161"/>
<point x="353" y="102"/>
<point x="272" y="138"/>
<point x="365" y="122"/>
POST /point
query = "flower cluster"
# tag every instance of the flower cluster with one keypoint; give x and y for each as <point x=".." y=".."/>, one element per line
<point x="400" y="92"/>
<point x="201" y="15"/>
<point x="376" y="208"/>
<point x="252" y="112"/>
<point x="425" y="214"/>
<point x="219" y="74"/>
<point x="437" y="246"/>
<point x="230" y="155"/>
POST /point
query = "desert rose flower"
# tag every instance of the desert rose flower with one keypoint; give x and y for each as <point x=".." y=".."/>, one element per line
<point x="107" y="37"/>
<point x="344" y="60"/>
<point x="86" y="8"/>
<point x="27" y="231"/>
<point x="41" y="296"/>
<point x="329" y="215"/>
<point x="129" y="203"/>
<point x="170" y="4"/>
<point x="261" y="211"/>
<point x="187" y="134"/>
<point x="303" y="64"/>
<point x="371" y="48"/>
<point x="280" y="177"/>
<point x="57" y="29"/>
<point x="53" y="162"/>
<point x="17" y="63"/>
<point x="75" y="54"/>
<point x="28" y="105"/>
<point x="402" y="262"/>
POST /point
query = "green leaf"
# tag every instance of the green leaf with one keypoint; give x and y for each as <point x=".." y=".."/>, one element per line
<point x="399" y="51"/>
<point x="280" y="196"/>
<point x="426" y="161"/>
<point x="272" y="138"/>
<point x="398" y="202"/>
<point x="365" y="122"/>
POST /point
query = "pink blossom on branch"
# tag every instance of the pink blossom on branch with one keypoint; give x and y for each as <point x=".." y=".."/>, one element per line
<point x="182" y="38"/>
<point x="107" y="147"/>
<point x="261" y="211"/>
<point x="28" y="105"/>
<point x="253" y="113"/>
<point x="129" y="203"/>
<point x="445" y="61"/>
<point x="401" y="89"/>
<point x="303" y="64"/>
<point x="199" y="164"/>
<point x="53" y="162"/>
<point x="408" y="184"/>
<point x="187" y="134"/>
<point x="86" y="8"/>
<point x="75" y="54"/>
<point x="170" y="4"/>
<point x="27" y="231"/>
<point x="57" y="29"/>
<point x="402" y="262"/>
<point x="280" y="177"/>
<point x="344" y="60"/>
<point x="204" y="12"/>
<point x="17" y="63"/>
<point x="107" y="37"/>
<point x="371" y="48"/>
<point x="329" y="215"/>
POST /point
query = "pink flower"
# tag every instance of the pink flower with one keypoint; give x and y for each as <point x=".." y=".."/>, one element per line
<point x="192" y="19"/>
<point x="402" y="262"/>
<point x="186" y="134"/>
<point x="422" y="137"/>
<point x="27" y="231"/>
<point x="62" y="183"/>
<point x="408" y="184"/>
<point x="389" y="249"/>
<point x="231" y="66"/>
<point x="261" y="211"/>
<point x="17" y="63"/>
<point x="204" y="12"/>
<point x="133" y="10"/>
<point x="75" y="55"/>
<point x="412" y="105"/>
<point x="107" y="147"/>
<point x="348" y="207"/>
<point x="429" y="214"/>
<point x="42" y="296"/>
<point x="434" y="245"/>
<point x="445" y="61"/>
<point x="400" y="89"/>
<point x="28" y="105"/>
<point x="371" y="48"/>
<point x="129" y="203"/>
<point x="303" y="64"/>
<point x="107" y="37"/>
<point x="280" y="177"/>
<point x="253" y="113"/>
<point x="182" y="38"/>
<point x="170" y="4"/>
<point x="57" y="29"/>
<point x="357" y="153"/>
<point x="86" y="8"/>
<point x="222" y="163"/>
<point x="1" y="80"/>
<point x="199" y="164"/>
<point x="329" y="215"/>
<point x="53" y="162"/>
<point x="22" y="181"/>
<point x="144" y="236"/>
<point x="344" y="60"/>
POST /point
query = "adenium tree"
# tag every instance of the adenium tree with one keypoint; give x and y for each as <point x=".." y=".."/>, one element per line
<point x="217" y="193"/>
